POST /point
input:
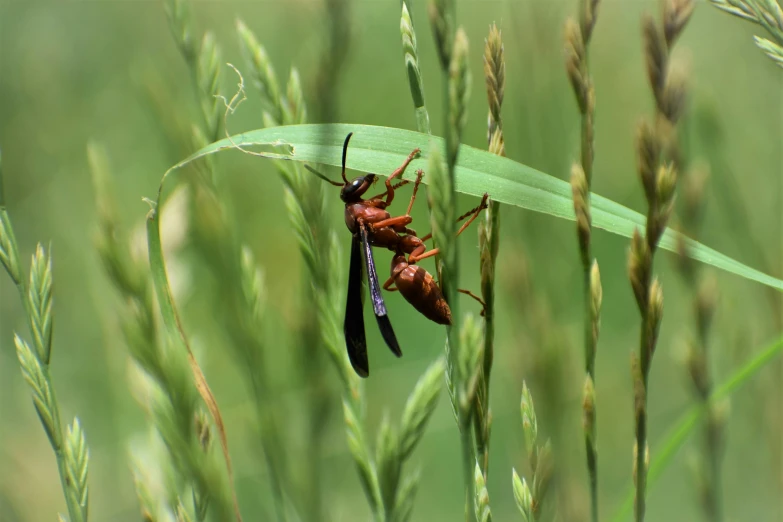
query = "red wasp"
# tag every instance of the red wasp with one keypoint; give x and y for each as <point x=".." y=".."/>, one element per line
<point x="371" y="225"/>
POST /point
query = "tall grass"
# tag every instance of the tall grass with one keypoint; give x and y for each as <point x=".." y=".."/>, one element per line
<point x="173" y="390"/>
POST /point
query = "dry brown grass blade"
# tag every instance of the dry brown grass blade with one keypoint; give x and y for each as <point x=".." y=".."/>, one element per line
<point x="214" y="410"/>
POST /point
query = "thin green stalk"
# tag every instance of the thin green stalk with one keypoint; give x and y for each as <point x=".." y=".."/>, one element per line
<point x="36" y="297"/>
<point x="704" y="293"/>
<point x="577" y="35"/>
<point x="489" y="240"/>
<point x="452" y="47"/>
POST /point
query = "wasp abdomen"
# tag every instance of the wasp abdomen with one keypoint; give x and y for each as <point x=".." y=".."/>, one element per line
<point x="419" y="288"/>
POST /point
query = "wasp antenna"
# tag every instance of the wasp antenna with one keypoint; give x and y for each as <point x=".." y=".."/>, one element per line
<point x="345" y="152"/>
<point x="311" y="169"/>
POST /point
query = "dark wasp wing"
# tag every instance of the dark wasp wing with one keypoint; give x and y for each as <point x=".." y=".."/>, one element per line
<point x="353" y="328"/>
<point x="378" y="306"/>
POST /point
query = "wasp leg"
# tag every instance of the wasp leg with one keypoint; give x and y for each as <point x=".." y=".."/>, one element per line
<point x="477" y="298"/>
<point x="397" y="173"/>
<point x="472" y="214"/>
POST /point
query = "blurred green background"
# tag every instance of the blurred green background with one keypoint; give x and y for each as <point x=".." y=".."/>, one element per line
<point x="110" y="71"/>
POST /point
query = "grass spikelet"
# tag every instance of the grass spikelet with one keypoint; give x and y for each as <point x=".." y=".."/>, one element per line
<point x="9" y="256"/>
<point x="522" y="496"/>
<point x="441" y="199"/>
<point x="459" y="94"/>
<point x="419" y="407"/>
<point x="40" y="296"/>
<point x="596" y="299"/>
<point x="33" y="373"/>
<point x="483" y="512"/>
<point x="358" y="447"/>
<point x="656" y="54"/>
<point x="676" y="14"/>
<point x="575" y="57"/>
<point x="648" y="151"/>
<point x="470" y="368"/>
<point x="148" y="506"/>
<point x="495" y="78"/>
<point x="403" y="507"/>
<point x="442" y="18"/>
<point x="739" y="8"/>
<point x="253" y="285"/>
<point x="262" y="72"/>
<point x="674" y="98"/>
<point x="178" y="13"/>
<point x="588" y="11"/>
<point x="771" y="49"/>
<point x="411" y="57"/>
<point x="530" y="499"/>
<point x="77" y="461"/>
<point x="581" y="197"/>
<point x="208" y="78"/>
<point x="529" y="422"/>
<point x="296" y="108"/>
<point x="388" y="463"/>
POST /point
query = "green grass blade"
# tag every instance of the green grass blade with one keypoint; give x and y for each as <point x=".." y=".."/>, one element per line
<point x="382" y="149"/>
<point x="689" y="421"/>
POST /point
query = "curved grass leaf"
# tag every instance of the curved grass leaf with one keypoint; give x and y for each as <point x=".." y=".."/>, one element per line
<point x="382" y="149"/>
